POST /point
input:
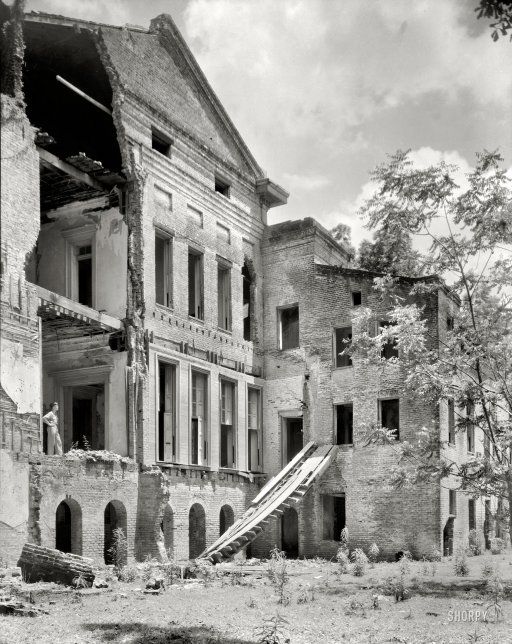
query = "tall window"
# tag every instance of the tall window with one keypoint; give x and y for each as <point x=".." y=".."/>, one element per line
<point x="472" y="514"/>
<point x="227" y="424"/>
<point x="342" y="338"/>
<point x="163" y="269"/>
<point x="195" y="285"/>
<point x="334" y="519"/>
<point x="224" y="296"/>
<point x="254" y="429"/>
<point x="198" y="429"/>
<point x="289" y="327"/>
<point x="248" y="297"/>
<point x="470" y="432"/>
<point x="389" y="350"/>
<point x="452" y="502"/>
<point x="344" y="424"/>
<point x="451" y="422"/>
<point x="84" y="270"/>
<point x="166" y="412"/>
<point x="390" y="416"/>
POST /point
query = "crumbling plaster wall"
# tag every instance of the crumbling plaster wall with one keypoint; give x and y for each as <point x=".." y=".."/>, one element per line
<point x="14" y="505"/>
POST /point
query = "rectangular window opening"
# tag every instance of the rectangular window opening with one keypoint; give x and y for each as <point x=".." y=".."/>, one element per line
<point x="344" y="424"/>
<point x="166" y="412"/>
<point x="390" y="349"/>
<point x="84" y="274"/>
<point x="254" y="429"/>
<point x="451" y="422"/>
<point x="163" y="270"/>
<point x="198" y="426"/>
<point x="472" y="514"/>
<point x="224" y="297"/>
<point x="195" y="285"/>
<point x="222" y="186"/>
<point x="248" y="296"/>
<point x="334" y="516"/>
<point x="356" y="298"/>
<point x="449" y="323"/>
<point x="160" y="142"/>
<point x="390" y="416"/>
<point x="343" y="337"/>
<point x="289" y="327"/>
<point x="452" y="502"/>
<point x="227" y="424"/>
<point x="470" y="432"/>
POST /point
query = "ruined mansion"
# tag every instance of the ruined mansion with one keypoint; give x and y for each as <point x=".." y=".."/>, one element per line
<point x="193" y="349"/>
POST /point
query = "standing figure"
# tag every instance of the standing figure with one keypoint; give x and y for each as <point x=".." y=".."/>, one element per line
<point x="51" y="420"/>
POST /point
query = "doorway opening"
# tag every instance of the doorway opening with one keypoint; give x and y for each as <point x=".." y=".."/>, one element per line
<point x="196" y="530"/>
<point x="114" y="518"/>
<point x="85" y="417"/>
<point x="226" y="518"/>
<point x="448" y="538"/>
<point x="293" y="438"/>
<point x="68" y="527"/>
<point x="290" y="533"/>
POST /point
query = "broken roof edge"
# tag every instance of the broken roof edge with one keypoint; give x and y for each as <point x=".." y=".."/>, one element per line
<point x="66" y="21"/>
<point x="291" y="226"/>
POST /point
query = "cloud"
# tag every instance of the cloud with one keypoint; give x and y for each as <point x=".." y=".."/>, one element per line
<point x="315" y="68"/>
<point x="107" y="11"/>
<point x="305" y="183"/>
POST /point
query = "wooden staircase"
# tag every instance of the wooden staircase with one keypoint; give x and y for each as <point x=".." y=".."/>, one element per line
<point x="289" y="486"/>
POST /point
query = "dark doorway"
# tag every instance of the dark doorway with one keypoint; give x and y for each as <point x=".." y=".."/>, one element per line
<point x="448" y="538"/>
<point x="114" y="518"/>
<point x="290" y="533"/>
<point x="82" y="422"/>
<point x="196" y="531"/>
<point x="226" y="518"/>
<point x="487" y="524"/>
<point x="294" y="437"/>
<point x="63" y="527"/>
<point x="86" y="414"/>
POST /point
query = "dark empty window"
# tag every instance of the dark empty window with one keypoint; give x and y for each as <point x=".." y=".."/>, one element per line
<point x="356" y="298"/>
<point x="470" y="432"/>
<point x="334" y="519"/>
<point x="451" y="422"/>
<point x="248" y="300"/>
<point x="449" y="323"/>
<point x="195" y="285"/>
<point x="390" y="415"/>
<point x="344" y="424"/>
<point x="222" y="187"/>
<point x="84" y="260"/>
<point x="163" y="267"/>
<point x="389" y="350"/>
<point x="160" y="142"/>
<point x="452" y="502"/>
<point x="224" y="296"/>
<point x="342" y="341"/>
<point x="472" y="514"/>
<point x="289" y="327"/>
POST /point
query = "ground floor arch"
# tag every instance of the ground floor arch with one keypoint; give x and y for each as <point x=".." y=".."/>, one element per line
<point x="68" y="527"/>
<point x="226" y="518"/>
<point x="114" y="517"/>
<point x="196" y="530"/>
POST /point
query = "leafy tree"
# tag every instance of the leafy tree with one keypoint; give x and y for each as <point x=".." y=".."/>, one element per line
<point x="500" y="11"/>
<point x="471" y="363"/>
<point x="390" y="252"/>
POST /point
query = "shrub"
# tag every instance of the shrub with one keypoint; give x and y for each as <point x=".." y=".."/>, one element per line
<point x="494" y="589"/>
<point x="373" y="553"/>
<point x="272" y="631"/>
<point x="476" y="543"/>
<point x="460" y="564"/>
<point x="359" y="562"/>
<point x="118" y="550"/>
<point x="497" y="546"/>
<point x="405" y="564"/>
<point x="127" y="573"/>
<point x="435" y="554"/>
<point x="343" y="560"/>
<point x="277" y="573"/>
<point x="344" y="539"/>
<point x="147" y="568"/>
<point x="487" y="569"/>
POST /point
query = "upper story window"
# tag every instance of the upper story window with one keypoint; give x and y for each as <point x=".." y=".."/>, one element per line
<point x="198" y="428"/>
<point x="166" y="412"/>
<point x="80" y="261"/>
<point x="451" y="422"/>
<point x="162" y="201"/>
<point x="160" y="142"/>
<point x="390" y="416"/>
<point x="163" y="269"/>
<point x="470" y="432"/>
<point x="356" y="298"/>
<point x="288" y="327"/>
<point x="449" y="323"/>
<point x="344" y="424"/>
<point x="227" y="424"/>
<point x="254" y="429"/>
<point x="84" y="270"/>
<point x="342" y="338"/>
<point x="452" y="502"/>
<point x="224" y="296"/>
<point x="222" y="186"/>
<point x="195" y="284"/>
<point x="390" y="349"/>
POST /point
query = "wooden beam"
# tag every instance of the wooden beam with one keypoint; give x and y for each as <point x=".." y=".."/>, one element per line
<point x="83" y="95"/>
<point x="66" y="167"/>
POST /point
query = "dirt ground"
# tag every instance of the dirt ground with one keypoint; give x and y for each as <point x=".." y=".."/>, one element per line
<point x="323" y="606"/>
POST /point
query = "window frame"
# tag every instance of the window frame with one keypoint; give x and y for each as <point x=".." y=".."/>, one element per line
<point x="222" y="186"/>
<point x="161" y="360"/>
<point x="224" y="305"/>
<point x="331" y="497"/>
<point x="198" y="283"/>
<point x="234" y="426"/>
<point x="350" y="433"/>
<point x="258" y="429"/>
<point x="356" y="293"/>
<point x="168" y="271"/>
<point x="344" y="358"/>
<point x="452" y="502"/>
<point x="387" y="400"/>
<point x="76" y="238"/>
<point x="450" y="406"/>
<point x="389" y="347"/>
<point x="162" y="141"/>
<point x="205" y="450"/>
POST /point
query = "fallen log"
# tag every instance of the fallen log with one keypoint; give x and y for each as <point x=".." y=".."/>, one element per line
<point x="46" y="564"/>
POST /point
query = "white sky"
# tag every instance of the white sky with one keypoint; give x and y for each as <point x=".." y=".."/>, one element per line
<point x="322" y="90"/>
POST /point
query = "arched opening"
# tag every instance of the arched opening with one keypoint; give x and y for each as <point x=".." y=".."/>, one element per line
<point x="290" y="533"/>
<point x="114" y="518"/>
<point x="226" y="518"/>
<point x="68" y="527"/>
<point x="167" y="526"/>
<point x="196" y="531"/>
<point x="448" y="538"/>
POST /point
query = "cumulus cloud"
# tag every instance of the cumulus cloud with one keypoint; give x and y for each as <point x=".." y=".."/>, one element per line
<point x="305" y="183"/>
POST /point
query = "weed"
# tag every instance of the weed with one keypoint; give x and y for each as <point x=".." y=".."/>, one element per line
<point x="118" y="551"/>
<point x="373" y="553"/>
<point x="344" y="539"/>
<point x="460" y="564"/>
<point x="343" y="560"/>
<point x="80" y="581"/>
<point x="359" y="562"/>
<point x="306" y="595"/>
<point x="476" y="544"/>
<point x="277" y="573"/>
<point x="355" y="607"/>
<point x="435" y="554"/>
<point x="487" y="569"/>
<point x="473" y="638"/>
<point x="494" y="588"/>
<point x="147" y="568"/>
<point x="497" y="546"/>
<point x="251" y="603"/>
<point x="127" y="573"/>
<point x="405" y="564"/>
<point x="272" y="631"/>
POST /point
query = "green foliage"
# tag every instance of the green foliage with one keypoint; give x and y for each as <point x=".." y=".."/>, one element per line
<point x="277" y="573"/>
<point x="460" y="563"/>
<point x="127" y="573"/>
<point x="500" y="12"/>
<point x="470" y="233"/>
<point x="390" y="252"/>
